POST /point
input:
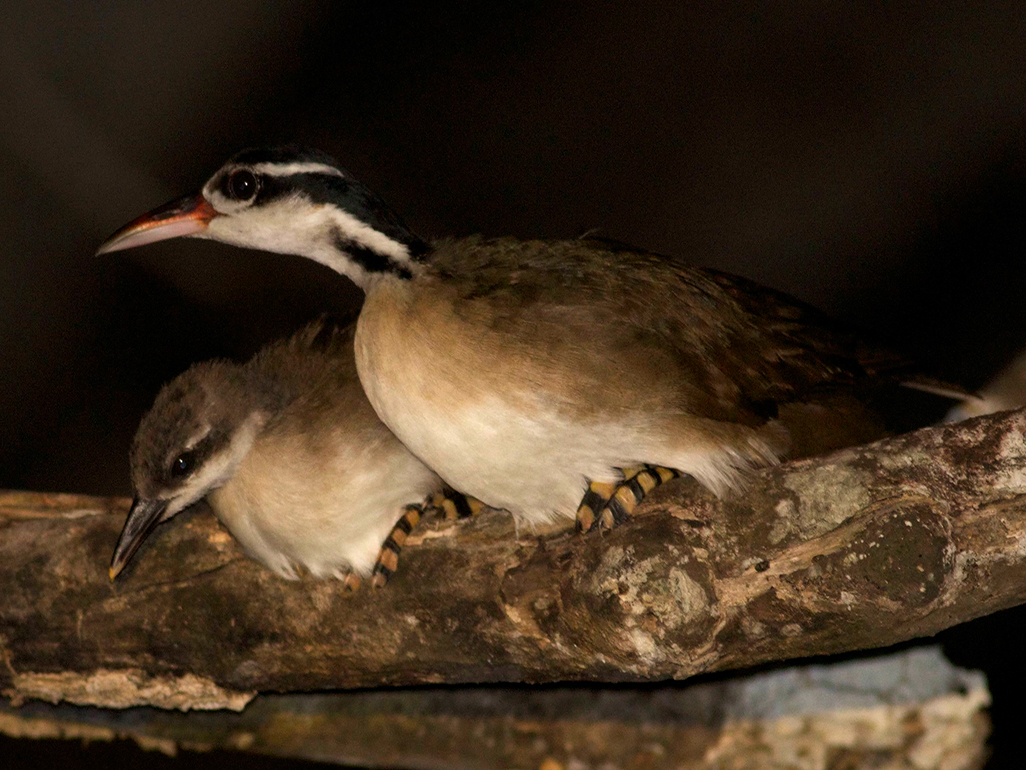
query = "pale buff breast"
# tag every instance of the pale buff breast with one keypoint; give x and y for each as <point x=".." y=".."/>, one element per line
<point x="497" y="421"/>
<point x="326" y="506"/>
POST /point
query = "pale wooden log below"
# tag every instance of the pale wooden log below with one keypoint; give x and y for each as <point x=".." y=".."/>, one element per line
<point x="864" y="548"/>
<point x="908" y="710"/>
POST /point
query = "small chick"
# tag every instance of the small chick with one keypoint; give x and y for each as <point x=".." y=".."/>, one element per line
<point x="288" y="453"/>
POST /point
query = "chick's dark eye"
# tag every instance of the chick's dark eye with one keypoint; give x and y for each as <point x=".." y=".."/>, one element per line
<point x="182" y="464"/>
<point x="242" y="185"/>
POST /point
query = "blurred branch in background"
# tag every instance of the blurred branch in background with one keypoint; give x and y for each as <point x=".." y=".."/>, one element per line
<point x="911" y="710"/>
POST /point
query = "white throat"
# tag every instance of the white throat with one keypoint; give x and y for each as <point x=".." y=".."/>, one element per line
<point x="317" y="231"/>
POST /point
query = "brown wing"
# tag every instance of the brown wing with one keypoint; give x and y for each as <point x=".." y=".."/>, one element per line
<point x="722" y="346"/>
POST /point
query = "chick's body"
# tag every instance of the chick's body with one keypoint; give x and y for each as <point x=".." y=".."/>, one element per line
<point x="288" y="453"/>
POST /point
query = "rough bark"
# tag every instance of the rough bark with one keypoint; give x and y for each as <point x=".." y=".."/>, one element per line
<point x="864" y="548"/>
<point x="902" y="711"/>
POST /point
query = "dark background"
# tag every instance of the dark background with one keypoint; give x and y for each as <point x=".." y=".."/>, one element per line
<point x="869" y="160"/>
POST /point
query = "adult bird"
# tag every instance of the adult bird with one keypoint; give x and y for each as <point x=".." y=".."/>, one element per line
<point x="290" y="457"/>
<point x="528" y="373"/>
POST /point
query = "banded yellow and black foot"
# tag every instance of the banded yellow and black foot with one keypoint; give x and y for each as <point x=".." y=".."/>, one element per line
<point x="447" y="504"/>
<point x="450" y="505"/>
<point x="607" y="505"/>
<point x="388" y="559"/>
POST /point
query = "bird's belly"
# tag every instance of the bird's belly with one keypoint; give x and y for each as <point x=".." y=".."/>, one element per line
<point x="478" y="422"/>
<point x="528" y="464"/>
<point x="524" y="421"/>
<point x="526" y="461"/>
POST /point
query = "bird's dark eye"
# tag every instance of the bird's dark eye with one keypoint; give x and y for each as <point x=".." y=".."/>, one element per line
<point x="242" y="185"/>
<point x="183" y="464"/>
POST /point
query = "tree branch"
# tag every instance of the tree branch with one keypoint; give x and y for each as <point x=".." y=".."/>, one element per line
<point x="864" y="548"/>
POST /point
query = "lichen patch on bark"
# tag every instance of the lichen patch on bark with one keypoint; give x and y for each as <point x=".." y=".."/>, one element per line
<point x="827" y="496"/>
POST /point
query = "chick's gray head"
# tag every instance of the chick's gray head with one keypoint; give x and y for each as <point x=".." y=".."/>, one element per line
<point x="190" y="442"/>
<point x="200" y="427"/>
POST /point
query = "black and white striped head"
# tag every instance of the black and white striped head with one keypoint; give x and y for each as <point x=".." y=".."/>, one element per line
<point x="287" y="200"/>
